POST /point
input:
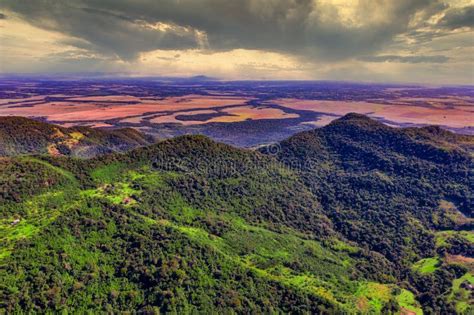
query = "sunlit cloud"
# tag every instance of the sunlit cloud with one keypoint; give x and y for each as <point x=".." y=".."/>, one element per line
<point x="254" y="39"/>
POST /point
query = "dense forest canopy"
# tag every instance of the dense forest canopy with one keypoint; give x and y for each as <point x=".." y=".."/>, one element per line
<point x="354" y="217"/>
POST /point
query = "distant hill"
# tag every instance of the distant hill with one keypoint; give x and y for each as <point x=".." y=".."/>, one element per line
<point x="202" y="78"/>
<point x="355" y="217"/>
<point x="19" y="135"/>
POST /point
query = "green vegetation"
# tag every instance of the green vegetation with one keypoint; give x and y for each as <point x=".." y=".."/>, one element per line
<point x="189" y="225"/>
<point x="443" y="238"/>
<point x="407" y="301"/>
<point x="20" y="135"/>
<point x="426" y="265"/>
<point x="373" y="296"/>
<point x="461" y="296"/>
<point x="108" y="173"/>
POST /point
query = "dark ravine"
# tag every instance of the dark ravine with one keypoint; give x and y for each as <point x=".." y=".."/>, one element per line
<point x="354" y="217"/>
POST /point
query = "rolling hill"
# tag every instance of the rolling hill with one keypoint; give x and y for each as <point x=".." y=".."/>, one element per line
<point x="355" y="217"/>
<point x="20" y="135"/>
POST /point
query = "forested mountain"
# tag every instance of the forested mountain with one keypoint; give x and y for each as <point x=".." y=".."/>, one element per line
<point x="355" y="217"/>
<point x="398" y="192"/>
<point x="19" y="135"/>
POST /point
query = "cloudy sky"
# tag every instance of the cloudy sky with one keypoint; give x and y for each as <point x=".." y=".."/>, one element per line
<point x="426" y="41"/>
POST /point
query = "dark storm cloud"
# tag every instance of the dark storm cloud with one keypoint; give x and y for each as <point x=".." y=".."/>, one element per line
<point x="457" y="18"/>
<point x="106" y="32"/>
<point x="307" y="28"/>
<point x="406" y="59"/>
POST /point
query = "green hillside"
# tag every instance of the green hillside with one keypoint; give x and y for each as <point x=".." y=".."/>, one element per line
<point x="20" y="135"/>
<point x="378" y="221"/>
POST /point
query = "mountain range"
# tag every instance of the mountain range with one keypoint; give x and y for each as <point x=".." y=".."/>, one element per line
<point x="355" y="217"/>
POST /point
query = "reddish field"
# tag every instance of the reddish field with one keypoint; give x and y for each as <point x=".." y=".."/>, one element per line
<point x="451" y="112"/>
<point x="97" y="110"/>
<point x="439" y="114"/>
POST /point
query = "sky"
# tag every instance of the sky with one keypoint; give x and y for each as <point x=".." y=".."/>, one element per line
<point x="415" y="41"/>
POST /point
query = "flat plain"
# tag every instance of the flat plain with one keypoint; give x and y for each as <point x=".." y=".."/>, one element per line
<point x="241" y="113"/>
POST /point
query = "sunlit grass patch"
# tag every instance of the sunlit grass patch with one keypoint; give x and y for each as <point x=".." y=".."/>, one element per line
<point x="373" y="296"/>
<point x="426" y="265"/>
<point x="22" y="230"/>
<point x="76" y="135"/>
<point x="443" y="237"/>
<point x="462" y="296"/>
<point x="35" y="214"/>
<point x="117" y="193"/>
<point x="407" y="301"/>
